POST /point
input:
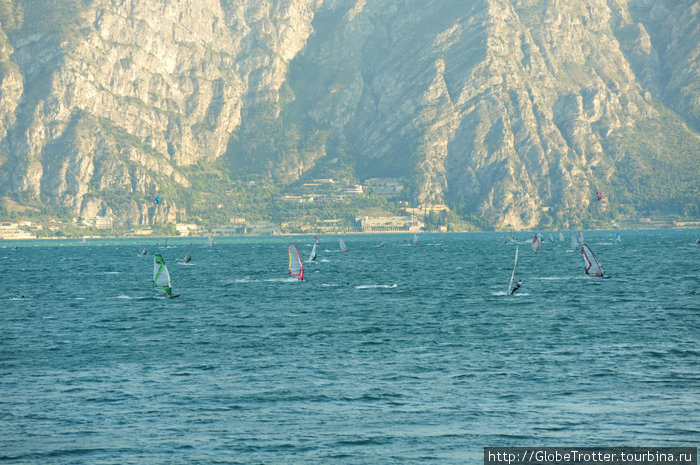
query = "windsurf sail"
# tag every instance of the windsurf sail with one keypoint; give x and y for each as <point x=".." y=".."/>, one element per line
<point x="316" y="241"/>
<point x="211" y="240"/>
<point x="512" y="275"/>
<point x="551" y="238"/>
<point x="187" y="255"/>
<point x="535" y="246"/>
<point x="574" y="244"/>
<point x="591" y="263"/>
<point x="561" y="237"/>
<point x="312" y="257"/>
<point x="161" y="277"/>
<point x="144" y="251"/>
<point x="296" y="268"/>
<point x="342" y="245"/>
<point x="581" y="238"/>
<point x="381" y="244"/>
<point x="618" y="239"/>
<point x="415" y="240"/>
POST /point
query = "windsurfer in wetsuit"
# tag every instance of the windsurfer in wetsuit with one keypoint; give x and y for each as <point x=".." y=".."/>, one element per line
<point x="517" y="286"/>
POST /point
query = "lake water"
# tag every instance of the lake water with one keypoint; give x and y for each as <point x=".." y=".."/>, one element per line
<point x="250" y="366"/>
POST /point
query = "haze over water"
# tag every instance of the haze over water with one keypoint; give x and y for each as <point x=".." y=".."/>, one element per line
<point x="251" y="366"/>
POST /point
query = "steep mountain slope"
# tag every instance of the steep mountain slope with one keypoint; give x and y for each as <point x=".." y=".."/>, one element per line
<point x="512" y="112"/>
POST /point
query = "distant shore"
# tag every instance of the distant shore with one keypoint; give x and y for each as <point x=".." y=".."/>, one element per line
<point x="687" y="227"/>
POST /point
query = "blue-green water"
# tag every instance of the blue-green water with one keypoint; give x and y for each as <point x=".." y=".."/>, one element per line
<point x="249" y="366"/>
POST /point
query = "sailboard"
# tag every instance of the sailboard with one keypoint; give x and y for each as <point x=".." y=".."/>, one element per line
<point x="161" y="277"/>
<point x="561" y="237"/>
<point x="143" y="252"/>
<point x="341" y="242"/>
<point x="296" y="268"/>
<point x="581" y="238"/>
<point x="188" y="257"/>
<point x="415" y="240"/>
<point x="312" y="257"/>
<point x="211" y="240"/>
<point x="591" y="263"/>
<point x="381" y="244"/>
<point x="535" y="246"/>
<point x="618" y="239"/>
<point x="316" y="241"/>
<point x="512" y="275"/>
<point x="551" y="238"/>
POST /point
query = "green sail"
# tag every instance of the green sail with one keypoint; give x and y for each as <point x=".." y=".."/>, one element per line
<point x="161" y="277"/>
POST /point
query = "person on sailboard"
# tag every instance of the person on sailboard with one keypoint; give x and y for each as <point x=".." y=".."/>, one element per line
<point x="518" y="282"/>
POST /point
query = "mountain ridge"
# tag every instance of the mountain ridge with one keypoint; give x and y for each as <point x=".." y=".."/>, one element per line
<point x="512" y="113"/>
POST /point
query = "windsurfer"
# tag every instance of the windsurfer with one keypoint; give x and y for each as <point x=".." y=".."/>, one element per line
<point x="518" y="282"/>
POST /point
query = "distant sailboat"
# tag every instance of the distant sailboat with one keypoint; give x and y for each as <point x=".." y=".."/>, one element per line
<point x="591" y="263"/>
<point x="143" y="252"/>
<point x="341" y="242"/>
<point x="381" y="244"/>
<point x="187" y="258"/>
<point x="415" y="240"/>
<point x="551" y="238"/>
<point x="561" y="237"/>
<point x="211" y="240"/>
<point x="535" y="246"/>
<point x="161" y="277"/>
<point x="618" y="239"/>
<point x="296" y="267"/>
<point x="512" y="275"/>
<point x="581" y="238"/>
<point x="312" y="257"/>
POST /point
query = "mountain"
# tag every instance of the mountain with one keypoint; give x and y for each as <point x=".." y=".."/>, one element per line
<point x="514" y="113"/>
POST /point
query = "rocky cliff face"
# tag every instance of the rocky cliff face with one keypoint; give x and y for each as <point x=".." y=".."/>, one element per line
<point x="515" y="111"/>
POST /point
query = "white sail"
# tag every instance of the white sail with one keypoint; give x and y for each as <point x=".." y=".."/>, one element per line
<point x="341" y="242"/>
<point x="512" y="275"/>
<point x="211" y="240"/>
<point x="312" y="257"/>
<point x="561" y="237"/>
<point x="591" y="262"/>
<point x="618" y="239"/>
<point x="296" y="267"/>
<point x="415" y="240"/>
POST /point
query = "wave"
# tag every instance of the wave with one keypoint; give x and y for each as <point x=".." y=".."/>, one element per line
<point x="374" y="286"/>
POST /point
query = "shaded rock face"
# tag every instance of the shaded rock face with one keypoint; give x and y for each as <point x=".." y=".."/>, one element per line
<point x="513" y="111"/>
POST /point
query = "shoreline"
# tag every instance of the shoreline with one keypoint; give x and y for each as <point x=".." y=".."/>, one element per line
<point x="376" y="233"/>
